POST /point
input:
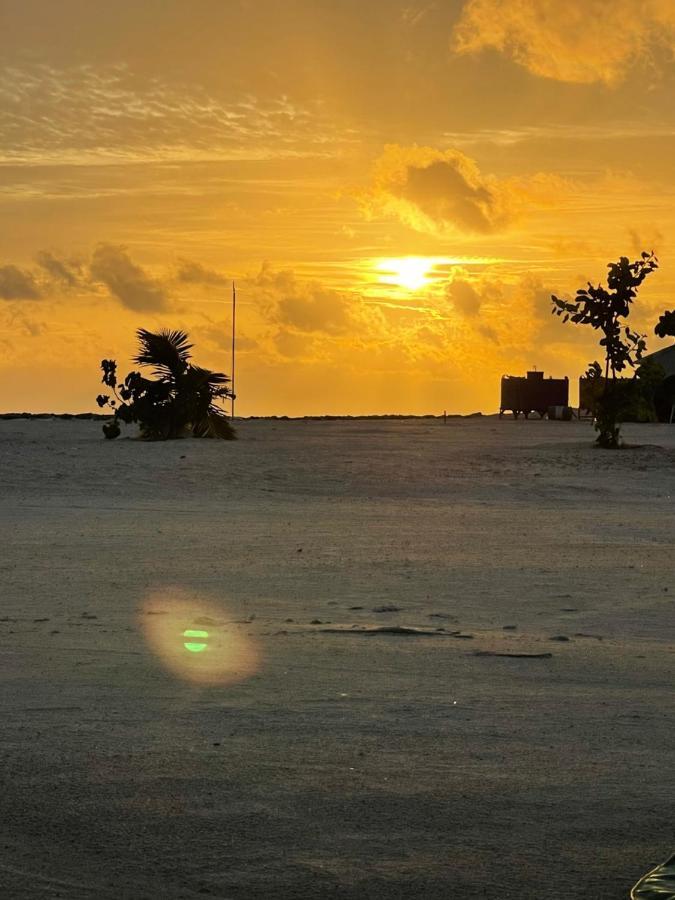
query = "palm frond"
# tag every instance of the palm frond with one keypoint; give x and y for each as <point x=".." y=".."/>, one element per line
<point x="207" y="377"/>
<point x="168" y="351"/>
<point x="214" y="425"/>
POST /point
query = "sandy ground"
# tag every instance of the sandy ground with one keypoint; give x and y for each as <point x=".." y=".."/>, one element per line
<point x="346" y="766"/>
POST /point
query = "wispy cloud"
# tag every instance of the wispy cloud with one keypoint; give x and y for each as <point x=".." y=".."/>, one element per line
<point x="619" y="130"/>
<point x="85" y="114"/>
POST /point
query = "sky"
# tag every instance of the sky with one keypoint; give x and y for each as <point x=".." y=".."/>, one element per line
<point x="397" y="188"/>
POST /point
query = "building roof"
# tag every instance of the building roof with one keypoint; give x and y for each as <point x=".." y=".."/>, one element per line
<point x="665" y="358"/>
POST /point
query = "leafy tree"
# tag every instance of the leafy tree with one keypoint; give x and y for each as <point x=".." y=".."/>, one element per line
<point x="665" y="327"/>
<point x="649" y="378"/>
<point x="605" y="309"/>
<point x="181" y="399"/>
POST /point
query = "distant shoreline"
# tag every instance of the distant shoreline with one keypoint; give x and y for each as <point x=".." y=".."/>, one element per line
<point x="326" y="418"/>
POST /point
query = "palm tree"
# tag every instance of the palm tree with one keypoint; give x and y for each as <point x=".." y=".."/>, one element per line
<point x="180" y="399"/>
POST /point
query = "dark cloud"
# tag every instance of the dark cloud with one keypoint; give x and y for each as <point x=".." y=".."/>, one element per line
<point x="433" y="190"/>
<point x="64" y="271"/>
<point x="129" y="283"/>
<point x="464" y="297"/>
<point x="18" y="284"/>
<point x="305" y="306"/>
<point x="468" y="300"/>
<point x="443" y="192"/>
<point x="191" y="272"/>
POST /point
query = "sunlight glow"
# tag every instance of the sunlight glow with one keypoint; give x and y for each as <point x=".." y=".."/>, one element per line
<point x="410" y="272"/>
<point x="413" y="273"/>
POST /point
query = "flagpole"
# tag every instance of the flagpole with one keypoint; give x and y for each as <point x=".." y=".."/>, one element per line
<point x="234" y="322"/>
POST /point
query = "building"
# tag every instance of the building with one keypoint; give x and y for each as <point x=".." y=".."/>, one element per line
<point x="533" y="393"/>
<point x="665" y="358"/>
<point x="664" y="398"/>
<point x="661" y="403"/>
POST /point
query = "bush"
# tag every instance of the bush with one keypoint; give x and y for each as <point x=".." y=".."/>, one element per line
<point x="180" y="400"/>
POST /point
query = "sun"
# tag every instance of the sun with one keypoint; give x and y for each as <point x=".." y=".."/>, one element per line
<point x="410" y="272"/>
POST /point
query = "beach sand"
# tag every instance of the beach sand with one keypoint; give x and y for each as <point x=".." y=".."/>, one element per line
<point x="368" y="765"/>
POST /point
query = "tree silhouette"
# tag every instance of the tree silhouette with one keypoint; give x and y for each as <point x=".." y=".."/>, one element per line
<point x="606" y="309"/>
<point x="665" y="327"/>
<point x="181" y="399"/>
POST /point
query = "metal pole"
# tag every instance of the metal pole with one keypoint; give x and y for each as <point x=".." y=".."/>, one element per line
<point x="234" y="323"/>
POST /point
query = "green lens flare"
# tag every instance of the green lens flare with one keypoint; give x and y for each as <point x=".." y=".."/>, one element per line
<point x="195" y="646"/>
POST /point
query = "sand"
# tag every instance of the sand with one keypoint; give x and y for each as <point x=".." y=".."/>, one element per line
<point x="528" y="755"/>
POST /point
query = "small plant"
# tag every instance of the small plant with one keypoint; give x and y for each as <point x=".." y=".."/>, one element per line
<point x="606" y="309"/>
<point x="180" y="400"/>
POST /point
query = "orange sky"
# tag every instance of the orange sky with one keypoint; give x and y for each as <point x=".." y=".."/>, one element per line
<point x="397" y="187"/>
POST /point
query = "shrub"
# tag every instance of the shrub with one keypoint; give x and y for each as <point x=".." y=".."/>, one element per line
<point x="180" y="400"/>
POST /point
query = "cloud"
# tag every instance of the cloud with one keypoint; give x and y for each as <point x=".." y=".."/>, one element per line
<point x="18" y="284"/>
<point x="66" y="272"/>
<point x="108" y="112"/>
<point x="443" y="190"/>
<point x="293" y="345"/>
<point x="470" y="300"/>
<point x="649" y="238"/>
<point x="307" y="321"/>
<point x="578" y="41"/>
<point x="128" y="282"/>
<point x="432" y="190"/>
<point x="191" y="272"/>
<point x="464" y="297"/>
<point x="412" y="15"/>
<point x="315" y="308"/>
<point x="308" y="306"/>
<point x="515" y="315"/>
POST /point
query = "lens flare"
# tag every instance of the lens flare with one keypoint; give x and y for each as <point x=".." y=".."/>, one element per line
<point x="196" y="639"/>
<point x="194" y="646"/>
